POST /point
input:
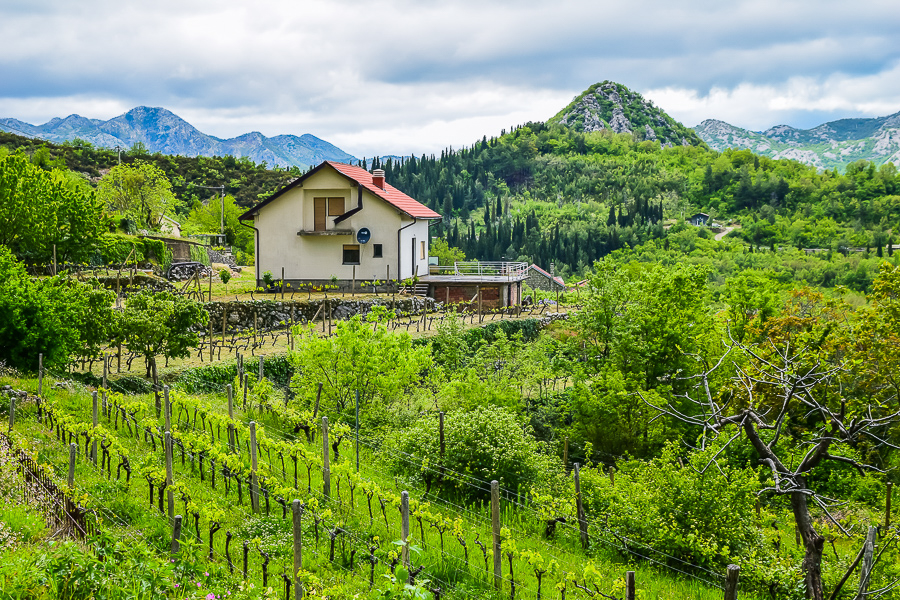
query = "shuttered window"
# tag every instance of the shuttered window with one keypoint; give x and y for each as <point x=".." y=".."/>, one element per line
<point x="319" y="207"/>
<point x="335" y="207"/>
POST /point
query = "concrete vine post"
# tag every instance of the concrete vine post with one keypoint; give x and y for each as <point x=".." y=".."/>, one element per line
<point x="326" y="468"/>
<point x="176" y="535"/>
<point x="629" y="585"/>
<point x="261" y="370"/>
<point x="254" y="483"/>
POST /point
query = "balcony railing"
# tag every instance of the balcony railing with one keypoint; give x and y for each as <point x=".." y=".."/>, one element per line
<point x="509" y="270"/>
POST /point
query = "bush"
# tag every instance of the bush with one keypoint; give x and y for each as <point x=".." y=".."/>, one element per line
<point x="487" y="443"/>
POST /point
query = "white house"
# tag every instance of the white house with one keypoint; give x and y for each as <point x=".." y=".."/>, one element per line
<point x="698" y="219"/>
<point x="340" y="221"/>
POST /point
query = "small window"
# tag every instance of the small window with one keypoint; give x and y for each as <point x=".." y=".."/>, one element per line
<point x="378" y="251"/>
<point x="335" y="207"/>
<point x="422" y="253"/>
<point x="351" y="254"/>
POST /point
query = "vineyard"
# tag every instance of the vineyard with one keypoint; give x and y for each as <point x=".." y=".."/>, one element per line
<point x="246" y="482"/>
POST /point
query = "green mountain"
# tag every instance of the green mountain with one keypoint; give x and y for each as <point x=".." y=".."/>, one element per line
<point x="612" y="106"/>
<point x="831" y="145"/>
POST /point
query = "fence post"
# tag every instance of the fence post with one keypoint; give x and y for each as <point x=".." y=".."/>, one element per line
<point x="297" y="514"/>
<point x="12" y="412"/>
<point x="170" y="496"/>
<point x="167" y="409"/>
<point x="887" y="505"/>
<point x="254" y="491"/>
<point x="246" y="385"/>
<point x="629" y="585"/>
<point x="73" y="451"/>
<point x="230" y="417"/>
<point x="94" y="420"/>
<point x="865" y="569"/>
<point x="261" y="373"/>
<point x="40" y="373"/>
<point x="212" y="343"/>
<point x="579" y="503"/>
<point x="404" y="528"/>
<point x="326" y="468"/>
<point x="495" y="526"/>
<point x="176" y="534"/>
<point x="731" y="582"/>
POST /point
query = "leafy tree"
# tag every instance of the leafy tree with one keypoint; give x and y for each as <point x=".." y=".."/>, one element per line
<point x="155" y="323"/>
<point x="445" y="254"/>
<point x="55" y="316"/>
<point x="140" y="191"/>
<point x="361" y="356"/>
<point x="40" y="209"/>
<point x="206" y="218"/>
<point x="225" y="276"/>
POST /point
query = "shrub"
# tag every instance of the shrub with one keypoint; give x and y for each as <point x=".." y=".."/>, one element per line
<point x="487" y="443"/>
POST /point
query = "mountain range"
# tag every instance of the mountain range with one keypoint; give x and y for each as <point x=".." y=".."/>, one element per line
<point x="831" y="145"/>
<point x="163" y="131"/>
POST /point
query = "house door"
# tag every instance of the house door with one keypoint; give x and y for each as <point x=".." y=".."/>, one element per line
<point x="413" y="266"/>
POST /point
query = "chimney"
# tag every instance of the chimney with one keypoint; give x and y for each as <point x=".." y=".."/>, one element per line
<point x="378" y="178"/>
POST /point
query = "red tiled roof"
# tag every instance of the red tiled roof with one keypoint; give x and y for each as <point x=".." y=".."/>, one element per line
<point x="557" y="279"/>
<point x="389" y="194"/>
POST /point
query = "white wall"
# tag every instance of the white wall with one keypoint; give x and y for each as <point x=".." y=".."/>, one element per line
<point x="316" y="257"/>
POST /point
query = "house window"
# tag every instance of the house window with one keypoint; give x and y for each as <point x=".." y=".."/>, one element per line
<point x="320" y="206"/>
<point x="422" y="253"/>
<point x="335" y="207"/>
<point x="351" y="254"/>
<point x="378" y="251"/>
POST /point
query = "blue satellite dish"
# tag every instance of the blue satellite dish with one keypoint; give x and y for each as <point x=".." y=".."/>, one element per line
<point x="363" y="235"/>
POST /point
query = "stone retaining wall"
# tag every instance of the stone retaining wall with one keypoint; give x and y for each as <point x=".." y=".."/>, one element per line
<point x="275" y="314"/>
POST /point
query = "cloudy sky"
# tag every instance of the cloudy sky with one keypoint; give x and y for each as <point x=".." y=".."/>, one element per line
<point x="413" y="76"/>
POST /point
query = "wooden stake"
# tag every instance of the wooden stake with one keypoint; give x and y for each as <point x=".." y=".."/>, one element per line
<point x="12" y="412"/>
<point x="212" y="342"/>
<point x="156" y="387"/>
<point x="495" y="526"/>
<point x="404" y="528"/>
<point x="224" y="321"/>
<point x="579" y="503"/>
<point x="40" y="373"/>
<point x="176" y="534"/>
<point x="282" y="284"/>
<point x="887" y="505"/>
<point x="731" y="582"/>
<point x="318" y="397"/>
<point x="297" y="514"/>
<point x="105" y="363"/>
<point x="230" y="417"/>
<point x="167" y="410"/>
<point x="326" y="470"/>
<point x="261" y="372"/>
<point x="254" y="492"/>
<point x="255" y="327"/>
<point x="210" y="283"/>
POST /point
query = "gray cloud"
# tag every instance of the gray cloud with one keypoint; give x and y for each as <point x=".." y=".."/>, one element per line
<point x="398" y="76"/>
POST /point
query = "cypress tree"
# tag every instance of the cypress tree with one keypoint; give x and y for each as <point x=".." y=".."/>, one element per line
<point x="611" y="219"/>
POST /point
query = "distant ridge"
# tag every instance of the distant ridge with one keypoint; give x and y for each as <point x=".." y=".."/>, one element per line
<point x="610" y="105"/>
<point x="161" y="130"/>
<point x="835" y="144"/>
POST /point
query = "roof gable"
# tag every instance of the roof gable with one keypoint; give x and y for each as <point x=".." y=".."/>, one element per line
<point x="363" y="178"/>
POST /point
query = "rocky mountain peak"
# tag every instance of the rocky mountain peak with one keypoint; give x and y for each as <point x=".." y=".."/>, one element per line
<point x="610" y="105"/>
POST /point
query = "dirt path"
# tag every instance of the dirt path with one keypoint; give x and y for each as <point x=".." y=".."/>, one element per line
<point x="728" y="230"/>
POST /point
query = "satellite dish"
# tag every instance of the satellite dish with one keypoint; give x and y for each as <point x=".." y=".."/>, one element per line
<point x="363" y="235"/>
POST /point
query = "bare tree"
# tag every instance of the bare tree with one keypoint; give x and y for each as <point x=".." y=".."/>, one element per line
<point x="798" y="381"/>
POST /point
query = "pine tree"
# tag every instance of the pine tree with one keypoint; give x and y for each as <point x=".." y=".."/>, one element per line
<point x="611" y="219"/>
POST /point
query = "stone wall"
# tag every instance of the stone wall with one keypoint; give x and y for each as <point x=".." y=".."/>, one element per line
<point x="538" y="281"/>
<point x="275" y="314"/>
<point x="221" y="257"/>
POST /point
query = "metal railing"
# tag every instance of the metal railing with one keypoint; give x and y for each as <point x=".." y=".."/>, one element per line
<point x="510" y="270"/>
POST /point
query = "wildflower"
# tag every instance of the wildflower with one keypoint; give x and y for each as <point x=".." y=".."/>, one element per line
<point x="199" y="584"/>
<point x="210" y="596"/>
<point x="176" y="585"/>
<point x="206" y="574"/>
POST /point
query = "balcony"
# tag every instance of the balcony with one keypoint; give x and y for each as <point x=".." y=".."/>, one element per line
<point x="477" y="271"/>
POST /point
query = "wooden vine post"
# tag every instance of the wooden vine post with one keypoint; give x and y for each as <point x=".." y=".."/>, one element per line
<point x="230" y="418"/>
<point x="326" y="469"/>
<point x="282" y="284"/>
<point x="170" y="496"/>
<point x="731" y="581"/>
<point x="156" y="387"/>
<point x="261" y="372"/>
<point x="297" y="515"/>
<point x="404" y="528"/>
<point x="167" y="409"/>
<point x="254" y="485"/>
<point x="629" y="585"/>
<point x="73" y="451"/>
<point x="176" y="535"/>
<point x="94" y="420"/>
<point x="212" y="343"/>
<point x="12" y="412"/>
<point x="40" y="374"/>
<point x="579" y="504"/>
<point x="495" y="526"/>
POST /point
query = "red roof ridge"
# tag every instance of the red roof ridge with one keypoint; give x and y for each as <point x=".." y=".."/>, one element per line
<point x="389" y="193"/>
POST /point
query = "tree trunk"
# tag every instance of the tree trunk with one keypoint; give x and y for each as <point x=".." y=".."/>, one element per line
<point x="813" y="543"/>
